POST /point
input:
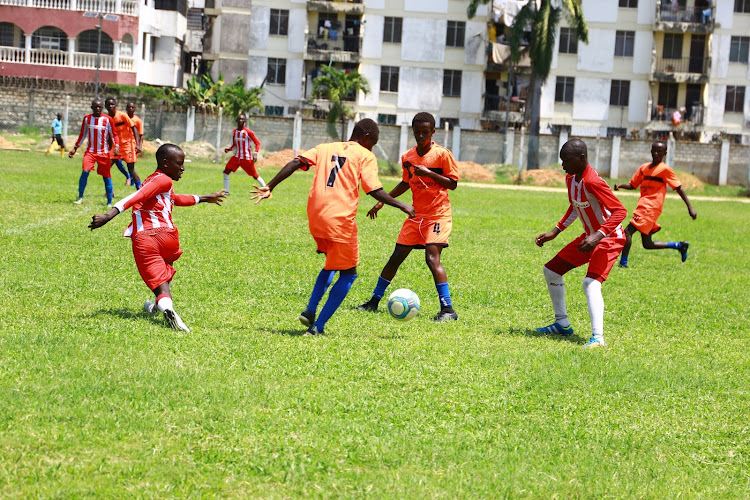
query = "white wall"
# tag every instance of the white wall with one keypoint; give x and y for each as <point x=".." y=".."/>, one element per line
<point x="260" y="24"/>
<point x="294" y="71"/>
<point x="372" y="44"/>
<point x="717" y="96"/>
<point x="591" y="99"/>
<point x="547" y="101"/>
<point x="420" y="89"/>
<point x="642" y="52"/>
<point x="423" y="40"/>
<point x="257" y="67"/>
<point x="297" y="25"/>
<point x="371" y="72"/>
<point x="475" y="51"/>
<point x="600" y="11"/>
<point x="471" y="91"/>
<point x="725" y="14"/>
<point x="720" y="45"/>
<point x="647" y="11"/>
<point x="638" y="101"/>
<point x="431" y="6"/>
<point x="598" y="55"/>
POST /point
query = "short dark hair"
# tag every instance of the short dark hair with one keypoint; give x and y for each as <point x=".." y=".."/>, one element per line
<point x="95" y="100"/>
<point x="575" y="146"/>
<point x="366" y="126"/>
<point x="111" y="98"/>
<point x="663" y="144"/>
<point x="423" y="117"/>
<point x="165" y="151"/>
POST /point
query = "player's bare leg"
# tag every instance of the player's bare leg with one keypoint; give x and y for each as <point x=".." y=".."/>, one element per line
<point x="399" y="255"/>
<point x="134" y="175"/>
<point x="432" y="257"/>
<point x="628" y="243"/>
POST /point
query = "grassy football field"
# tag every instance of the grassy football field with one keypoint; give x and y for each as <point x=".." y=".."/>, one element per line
<point x="100" y="400"/>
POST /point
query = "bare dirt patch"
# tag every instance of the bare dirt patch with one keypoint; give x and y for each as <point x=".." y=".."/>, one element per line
<point x="6" y="144"/>
<point x="277" y="159"/>
<point x="198" y="150"/>
<point x="149" y="147"/>
<point x="542" y="177"/>
<point x="470" y="171"/>
<point x="690" y="182"/>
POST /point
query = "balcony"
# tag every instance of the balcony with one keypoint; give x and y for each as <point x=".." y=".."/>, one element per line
<point x="682" y="70"/>
<point x="684" y="19"/>
<point x="344" y="49"/>
<point x="59" y="58"/>
<point x="497" y="108"/>
<point x="124" y="7"/>
<point x="347" y="7"/>
<point x="691" y="119"/>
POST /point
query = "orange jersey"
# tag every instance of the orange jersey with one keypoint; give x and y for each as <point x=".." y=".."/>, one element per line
<point x="430" y="199"/>
<point x="138" y="124"/>
<point x="124" y="128"/>
<point x="334" y="195"/>
<point x="653" y="181"/>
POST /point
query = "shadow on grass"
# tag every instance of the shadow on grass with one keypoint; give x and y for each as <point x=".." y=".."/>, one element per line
<point x="530" y="332"/>
<point x="287" y="332"/>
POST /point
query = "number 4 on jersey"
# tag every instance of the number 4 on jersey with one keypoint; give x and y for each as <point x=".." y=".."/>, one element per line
<point x="337" y="163"/>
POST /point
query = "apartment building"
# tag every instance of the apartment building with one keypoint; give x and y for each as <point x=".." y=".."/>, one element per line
<point x="416" y="54"/>
<point x="142" y="41"/>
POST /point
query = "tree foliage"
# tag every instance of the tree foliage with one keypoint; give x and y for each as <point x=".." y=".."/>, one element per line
<point x="337" y="86"/>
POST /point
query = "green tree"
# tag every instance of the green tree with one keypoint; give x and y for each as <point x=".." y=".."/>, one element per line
<point x="236" y="99"/>
<point x="338" y="86"/>
<point x="202" y="92"/>
<point x="543" y="20"/>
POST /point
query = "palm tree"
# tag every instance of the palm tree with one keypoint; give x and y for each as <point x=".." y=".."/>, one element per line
<point x="202" y="92"/>
<point x="236" y="99"/>
<point x="337" y="86"/>
<point x="543" y="19"/>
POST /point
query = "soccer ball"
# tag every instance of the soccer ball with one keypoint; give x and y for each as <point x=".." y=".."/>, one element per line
<point x="403" y="304"/>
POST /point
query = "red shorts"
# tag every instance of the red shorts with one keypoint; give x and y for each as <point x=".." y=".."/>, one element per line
<point x="339" y="256"/>
<point x="600" y="259"/>
<point x="247" y="165"/>
<point x="417" y="233"/>
<point x="154" y="253"/>
<point x="101" y="162"/>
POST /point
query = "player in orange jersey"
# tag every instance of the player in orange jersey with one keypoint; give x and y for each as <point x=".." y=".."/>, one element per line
<point x="331" y="210"/>
<point x="155" y="240"/>
<point x="429" y="171"/>
<point x="128" y="147"/>
<point x="138" y="139"/>
<point x="653" y="178"/>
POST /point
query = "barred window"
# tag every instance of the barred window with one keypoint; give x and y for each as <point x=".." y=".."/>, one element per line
<point x="672" y="46"/>
<point x="735" y="99"/>
<point x="274" y="110"/>
<point x="738" y="49"/>
<point x="629" y="4"/>
<point x="279" y="22"/>
<point x="619" y="93"/>
<point x="392" y="29"/>
<point x="88" y="42"/>
<point x="564" y="89"/>
<point x="624" y="43"/>
<point x="384" y="119"/>
<point x="452" y="83"/>
<point x="568" y="41"/>
<point x="742" y="6"/>
<point x="389" y="78"/>
<point x="276" y="71"/>
<point x="456" y="33"/>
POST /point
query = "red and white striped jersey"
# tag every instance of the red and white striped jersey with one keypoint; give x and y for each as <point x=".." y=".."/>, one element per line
<point x="241" y="142"/>
<point x="595" y="204"/>
<point x="96" y="129"/>
<point x="152" y="204"/>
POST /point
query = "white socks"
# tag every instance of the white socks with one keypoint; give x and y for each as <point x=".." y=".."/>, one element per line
<point x="556" y="287"/>
<point x="226" y="182"/>
<point x="593" y="290"/>
<point x="164" y="304"/>
<point x="261" y="181"/>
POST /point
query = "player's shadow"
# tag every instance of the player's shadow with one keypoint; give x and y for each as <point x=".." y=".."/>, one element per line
<point x="286" y="332"/>
<point x="130" y="314"/>
<point x="531" y="332"/>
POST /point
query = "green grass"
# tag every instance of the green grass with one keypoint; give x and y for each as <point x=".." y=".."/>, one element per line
<point x="99" y="400"/>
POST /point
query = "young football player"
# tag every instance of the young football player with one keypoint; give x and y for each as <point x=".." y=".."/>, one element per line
<point x="653" y="178"/>
<point x="129" y="146"/>
<point x="601" y="214"/>
<point x="429" y="171"/>
<point x="340" y="167"/>
<point x="244" y="157"/>
<point x="155" y="240"/>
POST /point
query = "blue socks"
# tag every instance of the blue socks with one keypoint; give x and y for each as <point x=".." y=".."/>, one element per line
<point x="82" y="181"/>
<point x="321" y="285"/>
<point x="444" y="294"/>
<point x="109" y="189"/>
<point x="335" y="298"/>
<point x="122" y="169"/>
<point x="673" y="244"/>
<point x="624" y="260"/>
<point x="137" y="185"/>
<point x="380" y="288"/>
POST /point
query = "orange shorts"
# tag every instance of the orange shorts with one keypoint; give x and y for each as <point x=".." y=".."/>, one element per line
<point x="154" y="253"/>
<point x="247" y="165"/>
<point x="417" y="233"/>
<point x="644" y="224"/>
<point x="127" y="152"/>
<point x="339" y="256"/>
<point x="101" y="162"/>
<point x="600" y="259"/>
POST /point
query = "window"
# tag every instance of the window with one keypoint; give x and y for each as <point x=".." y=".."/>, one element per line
<point x="276" y="71"/>
<point x="279" y="22"/>
<point x="54" y="39"/>
<point x="456" y="32"/>
<point x="452" y="83"/>
<point x="624" y="43"/>
<point x="667" y="95"/>
<point x="386" y="119"/>
<point x="616" y="132"/>
<point x="735" y="99"/>
<point x="619" y="93"/>
<point x="452" y="122"/>
<point x="389" y="78"/>
<point x="672" y="46"/>
<point x="7" y="36"/>
<point x="327" y="20"/>
<point x="274" y="110"/>
<point x="174" y="5"/>
<point x="568" y="41"/>
<point x="738" y="49"/>
<point x="88" y="42"/>
<point x="392" y="29"/>
<point x="564" y="89"/>
<point x="742" y="6"/>
<point x="629" y="4"/>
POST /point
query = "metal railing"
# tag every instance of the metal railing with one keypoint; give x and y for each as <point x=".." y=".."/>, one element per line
<point x="692" y="15"/>
<point x="692" y="114"/>
<point x="501" y="103"/>
<point x="124" y="7"/>
<point x="697" y="65"/>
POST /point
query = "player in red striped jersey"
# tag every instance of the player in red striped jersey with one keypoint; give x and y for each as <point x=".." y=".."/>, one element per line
<point x="602" y="214"/>
<point x="100" y="132"/>
<point x="244" y="156"/>
<point x="155" y="240"/>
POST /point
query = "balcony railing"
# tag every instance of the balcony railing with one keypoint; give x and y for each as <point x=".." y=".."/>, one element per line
<point x="695" y="65"/>
<point x="124" y="7"/>
<point x="693" y="115"/>
<point x="80" y="60"/>
<point x="692" y="15"/>
<point x="348" y="7"/>
<point x="343" y="49"/>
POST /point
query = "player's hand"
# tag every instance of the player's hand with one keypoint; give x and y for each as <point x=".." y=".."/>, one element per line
<point x="409" y="210"/>
<point x="261" y="193"/>
<point x="117" y="150"/>
<point x="137" y="151"/>
<point x="421" y="170"/>
<point x="545" y="237"/>
<point x="98" y="221"/>
<point x="693" y="214"/>
<point x="226" y="150"/>
<point x="590" y="242"/>
<point x="373" y="213"/>
<point x="255" y="156"/>
<point x="215" y="198"/>
<point x="616" y="187"/>
<point x="72" y="153"/>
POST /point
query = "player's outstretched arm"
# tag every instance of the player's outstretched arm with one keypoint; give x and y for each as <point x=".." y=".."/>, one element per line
<point x="261" y="193"/>
<point x="684" y="197"/>
<point x="215" y="198"/>
<point x="627" y="186"/>
<point x="397" y="191"/>
<point x="383" y="197"/>
<point x="545" y="237"/>
<point x="98" y="221"/>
